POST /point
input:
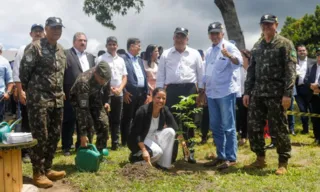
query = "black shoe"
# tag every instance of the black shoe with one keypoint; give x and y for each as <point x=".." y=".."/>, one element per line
<point x="191" y="158"/>
<point x="66" y="153"/>
<point x="293" y="133"/>
<point x="203" y="141"/>
<point x="304" y="132"/>
<point x="271" y="146"/>
<point x="114" y="147"/>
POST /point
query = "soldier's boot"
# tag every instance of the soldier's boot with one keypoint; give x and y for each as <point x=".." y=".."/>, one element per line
<point x="282" y="169"/>
<point x="260" y="163"/>
<point x="55" y="175"/>
<point x="41" y="181"/>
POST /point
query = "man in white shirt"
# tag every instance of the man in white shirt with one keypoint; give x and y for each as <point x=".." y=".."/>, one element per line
<point x="118" y="82"/>
<point x="180" y="72"/>
<point x="302" y="91"/>
<point x="36" y="33"/>
<point x="78" y="61"/>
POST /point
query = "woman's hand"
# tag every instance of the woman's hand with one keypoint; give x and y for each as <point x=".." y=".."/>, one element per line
<point x="146" y="157"/>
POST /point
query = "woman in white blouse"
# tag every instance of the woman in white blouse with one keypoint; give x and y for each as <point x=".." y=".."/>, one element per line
<point x="151" y="68"/>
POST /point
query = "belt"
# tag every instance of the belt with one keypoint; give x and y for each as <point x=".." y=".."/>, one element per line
<point x="181" y="85"/>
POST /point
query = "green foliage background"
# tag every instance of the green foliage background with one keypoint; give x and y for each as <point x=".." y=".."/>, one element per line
<point x="305" y="30"/>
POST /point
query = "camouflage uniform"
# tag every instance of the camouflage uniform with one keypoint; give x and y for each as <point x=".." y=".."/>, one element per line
<point x="41" y="74"/>
<point x="271" y="75"/>
<point x="88" y="98"/>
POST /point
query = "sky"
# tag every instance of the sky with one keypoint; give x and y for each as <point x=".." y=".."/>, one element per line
<point x="155" y="24"/>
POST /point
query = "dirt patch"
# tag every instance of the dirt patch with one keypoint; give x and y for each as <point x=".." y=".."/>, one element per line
<point x="61" y="186"/>
<point x="139" y="171"/>
<point x="183" y="167"/>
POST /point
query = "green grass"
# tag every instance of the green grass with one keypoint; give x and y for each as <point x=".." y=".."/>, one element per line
<point x="304" y="170"/>
<point x="303" y="175"/>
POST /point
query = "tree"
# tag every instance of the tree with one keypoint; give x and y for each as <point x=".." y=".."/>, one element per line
<point x="305" y="30"/>
<point x="230" y="17"/>
<point x="104" y="10"/>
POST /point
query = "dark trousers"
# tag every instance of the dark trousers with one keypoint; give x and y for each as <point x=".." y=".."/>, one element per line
<point x="173" y="93"/>
<point x="24" y="125"/>
<point x="241" y="118"/>
<point x="205" y="122"/>
<point x="13" y="105"/>
<point x="304" y="106"/>
<point x="2" y="110"/>
<point x="68" y="126"/>
<point x="115" y="118"/>
<point x="315" y="102"/>
<point x="129" y="111"/>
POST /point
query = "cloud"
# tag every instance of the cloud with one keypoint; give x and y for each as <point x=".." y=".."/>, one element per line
<point x="154" y="25"/>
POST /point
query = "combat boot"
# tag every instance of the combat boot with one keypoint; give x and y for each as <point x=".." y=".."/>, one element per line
<point x="41" y="181"/>
<point x="260" y="163"/>
<point x="282" y="169"/>
<point x="55" y="175"/>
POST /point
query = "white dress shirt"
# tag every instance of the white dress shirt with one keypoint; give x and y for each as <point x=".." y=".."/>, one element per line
<point x="16" y="64"/>
<point x="117" y="66"/>
<point x="138" y="70"/>
<point x="317" y="74"/>
<point x="178" y="68"/>
<point x="243" y="76"/>
<point x="83" y="60"/>
<point x="302" y="70"/>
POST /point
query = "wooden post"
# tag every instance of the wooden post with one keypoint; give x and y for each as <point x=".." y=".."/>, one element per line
<point x="10" y="163"/>
<point x="1" y="172"/>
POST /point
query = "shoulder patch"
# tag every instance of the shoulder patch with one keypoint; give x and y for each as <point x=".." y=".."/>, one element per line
<point x="29" y="57"/>
<point x="293" y="53"/>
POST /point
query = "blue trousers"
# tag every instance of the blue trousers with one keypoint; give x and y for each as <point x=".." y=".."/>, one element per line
<point x="222" y="124"/>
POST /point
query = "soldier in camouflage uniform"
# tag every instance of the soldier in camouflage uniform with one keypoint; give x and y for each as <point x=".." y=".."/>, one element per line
<point x="41" y="73"/>
<point x="268" y="91"/>
<point x="89" y="97"/>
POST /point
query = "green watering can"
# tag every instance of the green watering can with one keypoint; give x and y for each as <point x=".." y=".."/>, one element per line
<point x="88" y="158"/>
<point x="6" y="128"/>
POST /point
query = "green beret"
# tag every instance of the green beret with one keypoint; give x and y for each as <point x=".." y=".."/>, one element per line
<point x="103" y="70"/>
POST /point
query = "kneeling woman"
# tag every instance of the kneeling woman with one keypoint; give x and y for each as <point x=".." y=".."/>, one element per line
<point x="153" y="132"/>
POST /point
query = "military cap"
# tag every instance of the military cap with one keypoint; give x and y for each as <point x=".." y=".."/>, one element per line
<point x="36" y="26"/>
<point x="268" y="19"/>
<point x="112" y="39"/>
<point x="103" y="70"/>
<point x="215" y="27"/>
<point x="54" y="21"/>
<point x="181" y="30"/>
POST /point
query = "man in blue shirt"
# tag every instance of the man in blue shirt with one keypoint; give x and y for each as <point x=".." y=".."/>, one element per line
<point x="136" y="89"/>
<point x="222" y="65"/>
<point x="6" y="82"/>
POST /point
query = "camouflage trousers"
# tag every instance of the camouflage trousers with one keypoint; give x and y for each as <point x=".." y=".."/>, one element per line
<point x="268" y="108"/>
<point x="45" y="125"/>
<point x="100" y="124"/>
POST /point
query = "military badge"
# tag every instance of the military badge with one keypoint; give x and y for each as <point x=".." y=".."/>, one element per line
<point x="29" y="57"/>
<point x="83" y="103"/>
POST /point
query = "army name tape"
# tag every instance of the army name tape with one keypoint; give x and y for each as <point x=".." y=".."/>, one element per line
<point x="302" y="114"/>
